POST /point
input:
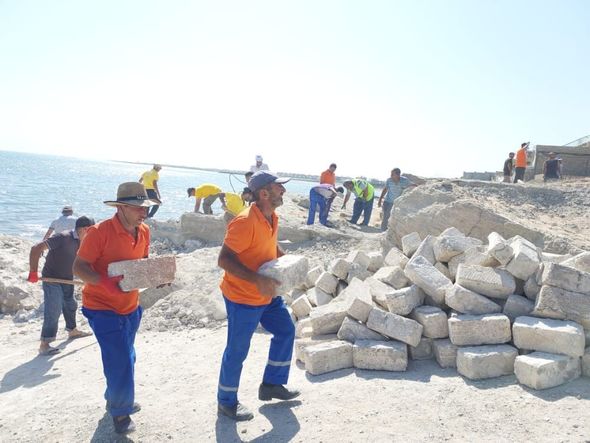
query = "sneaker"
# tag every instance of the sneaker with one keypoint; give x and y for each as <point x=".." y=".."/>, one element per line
<point x="136" y="407"/>
<point x="238" y="412"/>
<point x="267" y="391"/>
<point x="123" y="424"/>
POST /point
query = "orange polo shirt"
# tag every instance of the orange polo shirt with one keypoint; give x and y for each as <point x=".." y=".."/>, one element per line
<point x="108" y="242"/>
<point x="520" y="158"/>
<point x="254" y="240"/>
<point x="328" y="177"/>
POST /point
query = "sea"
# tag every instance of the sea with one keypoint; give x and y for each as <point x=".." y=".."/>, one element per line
<point x="36" y="188"/>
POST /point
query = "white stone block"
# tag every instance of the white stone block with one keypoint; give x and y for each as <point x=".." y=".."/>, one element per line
<point x="354" y="289"/>
<point x="361" y="306"/>
<point x="339" y="268"/>
<point x="393" y="276"/>
<point x="312" y="276"/>
<point x="468" y="302"/>
<point x="531" y="288"/>
<point x="548" y="335"/>
<point x="357" y="271"/>
<point x="351" y="330"/>
<point x="395" y="257"/>
<point x="481" y="362"/>
<point x="445" y="353"/>
<point x="426" y="250"/>
<point x="302" y="343"/>
<point x="465" y="330"/>
<point x="581" y="262"/>
<point x="474" y="256"/>
<point x="492" y="282"/>
<point x="446" y="247"/>
<point x="525" y="260"/>
<point x="303" y="328"/>
<point x="301" y="307"/>
<point x="434" y="321"/>
<point x="410" y="243"/>
<point x="559" y="303"/>
<point x="317" y="297"/>
<point x="379" y="290"/>
<point x="359" y="257"/>
<point x="540" y="370"/>
<point x="517" y="306"/>
<point x="403" y="301"/>
<point x="444" y="270"/>
<point x="327" y="319"/>
<point x="328" y="357"/>
<point x="423" y="351"/>
<point x="375" y="261"/>
<point x="499" y="248"/>
<point x="144" y="273"/>
<point x="566" y="278"/>
<point x="327" y="282"/>
<point x="424" y="275"/>
<point x="395" y="326"/>
<point x="380" y="355"/>
<point x="586" y="363"/>
<point x="290" y="269"/>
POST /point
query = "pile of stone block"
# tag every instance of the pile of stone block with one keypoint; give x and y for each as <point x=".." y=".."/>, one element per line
<point x="488" y="310"/>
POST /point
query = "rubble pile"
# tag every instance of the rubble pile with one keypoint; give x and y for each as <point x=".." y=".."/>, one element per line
<point x="487" y="309"/>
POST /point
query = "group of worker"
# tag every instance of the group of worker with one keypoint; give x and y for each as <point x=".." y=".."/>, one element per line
<point x="518" y="165"/>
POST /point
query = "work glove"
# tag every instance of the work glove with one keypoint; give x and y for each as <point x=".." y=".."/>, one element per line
<point x="111" y="284"/>
<point x="33" y="277"/>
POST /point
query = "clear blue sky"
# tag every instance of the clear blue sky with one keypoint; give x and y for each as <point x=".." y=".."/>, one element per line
<point x="432" y="87"/>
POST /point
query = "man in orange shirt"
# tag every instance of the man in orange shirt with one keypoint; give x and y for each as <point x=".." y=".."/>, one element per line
<point x="250" y="298"/>
<point x="520" y="163"/>
<point x="329" y="176"/>
<point x="114" y="315"/>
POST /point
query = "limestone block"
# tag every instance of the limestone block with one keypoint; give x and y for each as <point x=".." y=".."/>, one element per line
<point x="328" y="357"/>
<point x="481" y="362"/>
<point x="426" y="250"/>
<point x="340" y="287"/>
<point x="292" y="295"/>
<point x="586" y="363"/>
<point x="566" y="278"/>
<point x="499" y="248"/>
<point x="541" y="370"/>
<point x="312" y="276"/>
<point x="355" y="289"/>
<point x="517" y="306"/>
<point x="451" y="231"/>
<point x="403" y="301"/>
<point x="492" y="282"/>
<point x="351" y="330"/>
<point x="327" y="282"/>
<point x="339" y="268"/>
<point x="301" y="307"/>
<point x="434" y="321"/>
<point x="290" y="269"/>
<point x="532" y="288"/>
<point x="581" y="262"/>
<point x="379" y="290"/>
<point x="548" y="335"/>
<point x="361" y="307"/>
<point x="395" y="257"/>
<point x="445" y="353"/>
<point x="302" y="343"/>
<point x="446" y="247"/>
<point x="558" y="303"/>
<point x="487" y="329"/>
<point x="423" y="351"/>
<point x="395" y="326"/>
<point x="468" y="302"/>
<point x="317" y="297"/>
<point x="303" y="328"/>
<point x="525" y="260"/>
<point x="357" y="271"/>
<point x="474" y="256"/>
<point x="548" y="257"/>
<point x="359" y="257"/>
<point x="327" y="319"/>
<point x="444" y="270"/>
<point x="380" y="355"/>
<point x="423" y="274"/>
<point x="410" y="243"/>
<point x="144" y="273"/>
<point x="375" y="261"/>
<point x="393" y="276"/>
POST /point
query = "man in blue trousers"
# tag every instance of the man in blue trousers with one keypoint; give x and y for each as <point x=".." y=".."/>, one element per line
<point x="250" y="298"/>
<point x="114" y="315"/>
<point x="321" y="196"/>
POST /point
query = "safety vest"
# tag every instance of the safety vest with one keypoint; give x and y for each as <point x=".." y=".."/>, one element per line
<point x="359" y="192"/>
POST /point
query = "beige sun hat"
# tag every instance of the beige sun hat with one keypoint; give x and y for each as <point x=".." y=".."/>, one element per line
<point x="132" y="194"/>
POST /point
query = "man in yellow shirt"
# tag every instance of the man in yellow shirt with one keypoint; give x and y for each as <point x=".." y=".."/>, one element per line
<point x="233" y="203"/>
<point x="149" y="179"/>
<point x="207" y="193"/>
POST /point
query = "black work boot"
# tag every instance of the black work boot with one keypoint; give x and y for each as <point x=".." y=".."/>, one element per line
<point x="123" y="424"/>
<point x="238" y="412"/>
<point x="267" y="391"/>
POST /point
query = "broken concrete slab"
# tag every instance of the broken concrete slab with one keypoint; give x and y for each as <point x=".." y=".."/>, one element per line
<point x="403" y="301"/>
<point x="328" y="357"/>
<point x="517" y="306"/>
<point x="445" y="353"/>
<point x="489" y="361"/>
<point x="559" y="303"/>
<point x="541" y="370"/>
<point x="487" y="329"/>
<point x="466" y="301"/>
<point x="549" y="335"/>
<point x="290" y="269"/>
<point x="395" y="326"/>
<point x="492" y="282"/>
<point x="380" y="355"/>
<point x="144" y="273"/>
<point x="434" y="321"/>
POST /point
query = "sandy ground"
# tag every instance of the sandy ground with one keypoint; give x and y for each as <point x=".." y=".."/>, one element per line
<point x="59" y="398"/>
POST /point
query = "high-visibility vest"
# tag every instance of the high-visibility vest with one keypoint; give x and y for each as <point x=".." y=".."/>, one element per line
<point x="359" y="192"/>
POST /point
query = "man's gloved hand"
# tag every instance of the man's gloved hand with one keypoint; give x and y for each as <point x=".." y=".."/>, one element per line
<point x="33" y="277"/>
<point x="111" y="284"/>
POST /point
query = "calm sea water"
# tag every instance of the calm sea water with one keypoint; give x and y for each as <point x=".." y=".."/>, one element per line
<point x="36" y="187"/>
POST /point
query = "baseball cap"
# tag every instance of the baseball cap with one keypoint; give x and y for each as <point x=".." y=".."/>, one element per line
<point x="262" y="178"/>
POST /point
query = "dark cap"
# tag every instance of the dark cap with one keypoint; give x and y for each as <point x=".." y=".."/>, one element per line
<point x="84" y="222"/>
<point x="262" y="178"/>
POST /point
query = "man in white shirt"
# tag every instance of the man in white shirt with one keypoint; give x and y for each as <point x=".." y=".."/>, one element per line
<point x="66" y="222"/>
<point x="259" y="166"/>
<point x="321" y="196"/>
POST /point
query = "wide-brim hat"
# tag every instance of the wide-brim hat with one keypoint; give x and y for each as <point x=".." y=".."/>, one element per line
<point x="132" y="194"/>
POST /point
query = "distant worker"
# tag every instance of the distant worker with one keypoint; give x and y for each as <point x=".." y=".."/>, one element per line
<point x="329" y="176"/>
<point x="247" y="176"/>
<point x="58" y="297"/>
<point x="259" y="166"/>
<point x="321" y="196"/>
<point x="233" y="203"/>
<point x="364" y="193"/>
<point x="66" y="222"/>
<point x="395" y="185"/>
<point x="521" y="162"/>
<point x="207" y="193"/>
<point x="508" y="166"/>
<point x="150" y="182"/>
<point x="552" y="168"/>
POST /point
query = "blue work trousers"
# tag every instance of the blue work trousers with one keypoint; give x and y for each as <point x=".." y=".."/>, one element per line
<point x="242" y="321"/>
<point x="115" y="334"/>
<point x="362" y="206"/>
<point x="387" y="207"/>
<point x="316" y="200"/>
<point x="57" y="299"/>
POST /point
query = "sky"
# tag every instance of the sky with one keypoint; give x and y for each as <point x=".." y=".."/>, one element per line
<point x="432" y="87"/>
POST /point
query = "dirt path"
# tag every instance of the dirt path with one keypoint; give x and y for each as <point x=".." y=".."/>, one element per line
<point x="60" y="398"/>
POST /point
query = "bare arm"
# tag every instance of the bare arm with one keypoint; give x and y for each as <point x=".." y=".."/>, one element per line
<point x="83" y="269"/>
<point x="197" y="204"/>
<point x="35" y="254"/>
<point x="346" y="198"/>
<point x="383" y="193"/>
<point x="48" y="234"/>
<point x="221" y="196"/>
